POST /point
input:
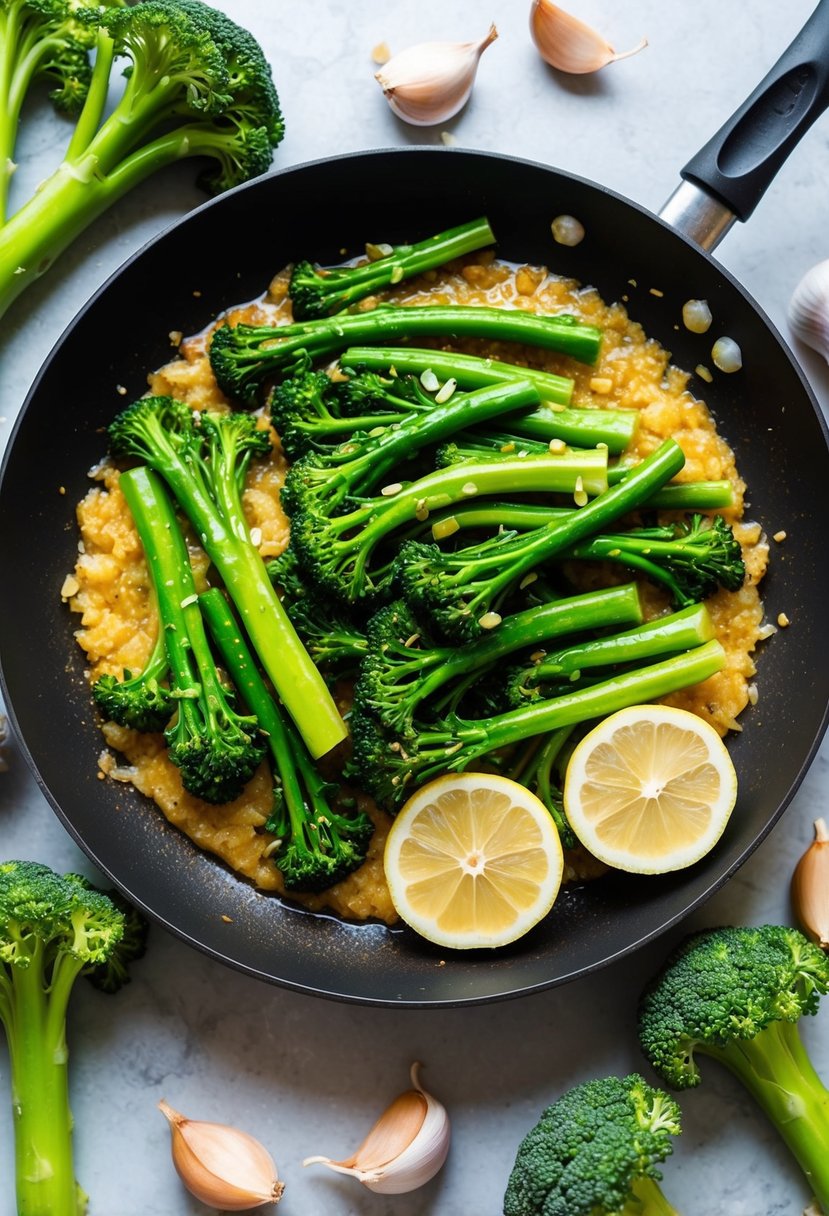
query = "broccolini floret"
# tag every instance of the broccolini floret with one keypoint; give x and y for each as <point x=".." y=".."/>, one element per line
<point x="737" y="994"/>
<point x="52" y="930"/>
<point x="596" y="1152"/>
<point x="319" y="293"/>
<point x="140" y="701"/>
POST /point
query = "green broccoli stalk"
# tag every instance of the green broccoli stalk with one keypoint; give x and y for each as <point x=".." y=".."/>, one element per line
<point x="663" y="636"/>
<point x="319" y="293"/>
<point x="389" y="768"/>
<point x="193" y="461"/>
<point x="197" y="85"/>
<point x="336" y="552"/>
<point x="353" y="468"/>
<point x="595" y="1152"/>
<point x="141" y="701"/>
<point x="244" y="357"/>
<point x="52" y="930"/>
<point x="318" y="846"/>
<point x="216" y="748"/>
<point x="403" y="670"/>
<point x="40" y="40"/>
<point x="453" y="592"/>
<point x="583" y="428"/>
<point x="737" y="995"/>
<point x="534" y="769"/>
<point x="678" y="496"/>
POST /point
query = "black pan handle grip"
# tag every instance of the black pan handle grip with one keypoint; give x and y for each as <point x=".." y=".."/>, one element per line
<point x="739" y="163"/>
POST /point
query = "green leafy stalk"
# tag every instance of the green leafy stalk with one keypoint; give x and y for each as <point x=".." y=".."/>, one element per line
<point x="318" y="845"/>
<point x="244" y="357"/>
<point x="319" y="293"/>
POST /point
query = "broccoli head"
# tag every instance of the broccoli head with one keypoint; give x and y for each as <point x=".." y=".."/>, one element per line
<point x="595" y="1152"/>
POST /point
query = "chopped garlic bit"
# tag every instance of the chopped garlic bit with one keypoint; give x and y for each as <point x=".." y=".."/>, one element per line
<point x="696" y="316"/>
<point x="381" y="53"/>
<point x="602" y="385"/>
<point x="753" y="694"/>
<point x="654" y="291"/>
<point x="779" y="536"/>
<point x="727" y="355"/>
<point x="557" y="446"/>
<point x="70" y="587"/>
<point x="188" y="600"/>
<point x="375" y="253"/>
<point x="489" y="620"/>
<point x="390" y="491"/>
<point x="579" y="494"/>
<point x="446" y="392"/>
<point x="446" y="527"/>
<point x="256" y="537"/>
<point x="175" y="336"/>
<point x="783" y="620"/>
<point x="567" y="230"/>
<point x="448" y="139"/>
<point x="429" y="380"/>
<point x="704" y="373"/>
<point x="469" y="488"/>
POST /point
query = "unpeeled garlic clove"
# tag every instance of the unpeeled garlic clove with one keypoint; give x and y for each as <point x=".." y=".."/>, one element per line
<point x="809" y="309"/>
<point x="430" y="82"/>
<point x="220" y="1165"/>
<point x="810" y="887"/>
<point x="404" y="1149"/>
<point x="568" y="44"/>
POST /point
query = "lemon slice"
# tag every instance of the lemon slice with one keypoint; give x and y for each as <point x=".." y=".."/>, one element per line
<point x="473" y="860"/>
<point x="650" y="789"/>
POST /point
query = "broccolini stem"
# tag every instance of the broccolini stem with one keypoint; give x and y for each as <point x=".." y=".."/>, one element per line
<point x="775" y="1068"/>
<point x="287" y="751"/>
<point x="592" y="610"/>
<point x="583" y="428"/>
<point x="46" y="1183"/>
<point x="244" y="356"/>
<point x="352" y="283"/>
<point x="682" y="496"/>
<point x="665" y="635"/>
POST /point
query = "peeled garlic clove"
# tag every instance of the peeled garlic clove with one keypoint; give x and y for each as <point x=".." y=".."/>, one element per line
<point x="809" y="309"/>
<point x="568" y="44"/>
<point x="810" y="887"/>
<point x="430" y="82"/>
<point x="221" y="1166"/>
<point x="404" y="1149"/>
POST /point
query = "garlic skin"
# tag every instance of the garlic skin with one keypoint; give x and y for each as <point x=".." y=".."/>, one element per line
<point x="404" y="1149"/>
<point x="220" y="1165"/>
<point x="809" y="309"/>
<point x="810" y="887"/>
<point x="568" y="44"/>
<point x="429" y="83"/>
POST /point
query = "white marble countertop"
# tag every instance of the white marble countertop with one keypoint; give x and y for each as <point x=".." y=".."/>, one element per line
<point x="309" y="1076"/>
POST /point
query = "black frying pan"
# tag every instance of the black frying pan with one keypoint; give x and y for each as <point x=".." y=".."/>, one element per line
<point x="767" y="413"/>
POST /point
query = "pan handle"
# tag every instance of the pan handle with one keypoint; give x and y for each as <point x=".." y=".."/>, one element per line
<point x="728" y="177"/>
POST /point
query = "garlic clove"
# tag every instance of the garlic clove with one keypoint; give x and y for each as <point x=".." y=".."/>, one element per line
<point x="222" y="1166"/>
<point x="404" y="1149"/>
<point x="568" y="44"/>
<point x="809" y="309"/>
<point x="429" y="83"/>
<point x="810" y="887"/>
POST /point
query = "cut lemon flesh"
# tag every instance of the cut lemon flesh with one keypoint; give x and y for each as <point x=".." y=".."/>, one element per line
<point x="473" y="860"/>
<point x="650" y="789"/>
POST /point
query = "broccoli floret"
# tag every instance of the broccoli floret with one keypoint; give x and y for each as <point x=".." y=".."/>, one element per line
<point x="389" y="767"/>
<point x="246" y="357"/>
<point x="691" y="558"/>
<point x="52" y="929"/>
<point x="318" y="845"/>
<point x="114" y="971"/>
<point x="319" y="293"/>
<point x="196" y="85"/>
<point x="216" y="748"/>
<point x="595" y="1152"/>
<point x="737" y="995"/>
<point x="141" y="701"/>
<point x="203" y="465"/>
